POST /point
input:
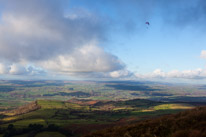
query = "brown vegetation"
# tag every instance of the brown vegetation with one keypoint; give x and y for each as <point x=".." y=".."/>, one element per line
<point x="191" y="123"/>
<point x="23" y="109"/>
<point x="83" y="102"/>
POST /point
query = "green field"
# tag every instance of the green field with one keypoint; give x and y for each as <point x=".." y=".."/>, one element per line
<point x="49" y="134"/>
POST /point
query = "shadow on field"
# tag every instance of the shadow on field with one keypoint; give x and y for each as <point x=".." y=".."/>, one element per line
<point x="132" y="87"/>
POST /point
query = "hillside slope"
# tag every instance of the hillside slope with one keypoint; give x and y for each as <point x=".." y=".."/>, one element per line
<point x="23" y="109"/>
<point x="190" y="123"/>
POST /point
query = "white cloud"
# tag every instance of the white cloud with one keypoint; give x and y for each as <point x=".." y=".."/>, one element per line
<point x="158" y="73"/>
<point x="174" y="74"/>
<point x="20" y="69"/>
<point x="203" y="54"/>
<point x="186" y="74"/>
<point x="40" y="33"/>
<point x="40" y="38"/>
<point x="120" y="74"/>
<point x="17" y="69"/>
<point x="3" y="69"/>
<point x="88" y="58"/>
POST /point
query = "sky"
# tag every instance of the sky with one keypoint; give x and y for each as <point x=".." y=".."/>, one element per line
<point x="103" y="40"/>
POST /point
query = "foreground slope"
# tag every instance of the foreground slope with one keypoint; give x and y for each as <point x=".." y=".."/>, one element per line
<point x="190" y="123"/>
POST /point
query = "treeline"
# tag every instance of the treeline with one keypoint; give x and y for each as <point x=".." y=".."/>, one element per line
<point x="32" y="130"/>
<point x="191" y="123"/>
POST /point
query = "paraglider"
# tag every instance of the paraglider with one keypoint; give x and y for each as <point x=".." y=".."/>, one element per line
<point x="147" y="23"/>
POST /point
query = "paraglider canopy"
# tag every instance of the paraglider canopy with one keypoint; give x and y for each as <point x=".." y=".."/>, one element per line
<point x="147" y="23"/>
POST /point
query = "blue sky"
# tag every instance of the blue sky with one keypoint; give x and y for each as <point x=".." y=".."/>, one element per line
<point x="165" y="41"/>
<point x="104" y="39"/>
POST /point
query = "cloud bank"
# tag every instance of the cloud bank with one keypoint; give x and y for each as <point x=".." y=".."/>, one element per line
<point x="88" y="58"/>
<point x="186" y="74"/>
<point x="196" y="74"/>
<point x="40" y="33"/>
<point x="18" y="69"/>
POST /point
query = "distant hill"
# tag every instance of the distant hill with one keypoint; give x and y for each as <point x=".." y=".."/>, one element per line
<point x="190" y="123"/>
